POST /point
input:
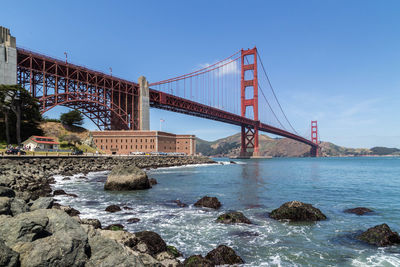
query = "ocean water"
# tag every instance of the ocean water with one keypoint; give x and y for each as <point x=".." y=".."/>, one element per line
<point x="256" y="187"/>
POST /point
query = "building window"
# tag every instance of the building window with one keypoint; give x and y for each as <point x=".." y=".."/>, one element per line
<point x="126" y="146"/>
<point x="131" y="146"/>
<point x="101" y="147"/>
<point x="106" y="140"/>
<point x="136" y="140"/>
<point x="106" y="147"/>
<point x="126" y="140"/>
<point x="141" y="146"/>
<point x="136" y="146"/>
<point x="116" y="140"/>
<point x="145" y="146"/>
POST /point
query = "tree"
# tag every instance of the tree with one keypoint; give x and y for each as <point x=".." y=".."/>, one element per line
<point x="23" y="106"/>
<point x="72" y="118"/>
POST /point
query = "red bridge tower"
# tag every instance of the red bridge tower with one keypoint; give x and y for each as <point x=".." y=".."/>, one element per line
<point x="249" y="82"/>
<point x="314" y="138"/>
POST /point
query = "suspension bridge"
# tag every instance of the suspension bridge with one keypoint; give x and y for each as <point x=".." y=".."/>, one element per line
<point x="235" y="90"/>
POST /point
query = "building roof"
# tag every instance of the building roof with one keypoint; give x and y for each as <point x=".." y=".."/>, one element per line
<point x="43" y="140"/>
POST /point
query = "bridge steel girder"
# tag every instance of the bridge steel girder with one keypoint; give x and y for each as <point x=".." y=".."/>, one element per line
<point x="110" y="102"/>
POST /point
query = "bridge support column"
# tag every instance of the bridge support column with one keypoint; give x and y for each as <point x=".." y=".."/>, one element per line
<point x="249" y="82"/>
<point x="8" y="57"/>
<point x="249" y="141"/>
<point x="314" y="138"/>
<point x="144" y="104"/>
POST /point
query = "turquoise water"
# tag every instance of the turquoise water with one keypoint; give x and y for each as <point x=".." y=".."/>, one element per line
<point x="255" y="187"/>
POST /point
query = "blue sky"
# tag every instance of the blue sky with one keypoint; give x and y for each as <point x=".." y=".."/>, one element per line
<point x="334" y="61"/>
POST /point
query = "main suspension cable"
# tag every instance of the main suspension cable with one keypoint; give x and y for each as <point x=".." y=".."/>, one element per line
<point x="273" y="92"/>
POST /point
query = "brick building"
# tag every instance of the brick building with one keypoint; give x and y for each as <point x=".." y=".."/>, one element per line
<point x="125" y="142"/>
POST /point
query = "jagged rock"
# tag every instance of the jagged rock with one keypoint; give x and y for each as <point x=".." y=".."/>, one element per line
<point x="126" y="178"/>
<point x="113" y="208"/>
<point x="5" y="206"/>
<point x="8" y="257"/>
<point x="359" y="210"/>
<point x="167" y="259"/>
<point x="153" y="181"/>
<point x="233" y="217"/>
<point x="93" y="222"/>
<point x="297" y="211"/>
<point x="72" y="195"/>
<point x="232" y="162"/>
<point x="122" y="237"/>
<point x="197" y="261"/>
<point x="46" y="238"/>
<point x="59" y="192"/>
<point x="18" y="206"/>
<point x="208" y="202"/>
<point x="380" y="235"/>
<point x="115" y="227"/>
<point x="180" y="204"/>
<point x="174" y="251"/>
<point x="127" y="208"/>
<point x="224" y="255"/>
<point x="67" y="209"/>
<point x="107" y="252"/>
<point x="6" y="192"/>
<point x="42" y="203"/>
<point x="150" y="243"/>
<point x="133" y="220"/>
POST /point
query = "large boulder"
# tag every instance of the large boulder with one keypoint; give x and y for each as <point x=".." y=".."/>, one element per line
<point x="208" y="202"/>
<point x="224" y="255"/>
<point x="150" y="243"/>
<point x="297" y="211"/>
<point x="380" y="235"/>
<point x="126" y="178"/>
<point x="8" y="257"/>
<point x="42" y="203"/>
<point x="107" y="252"/>
<point x="46" y="237"/>
<point x="359" y="210"/>
<point x="113" y="208"/>
<point x="18" y="206"/>
<point x="233" y="217"/>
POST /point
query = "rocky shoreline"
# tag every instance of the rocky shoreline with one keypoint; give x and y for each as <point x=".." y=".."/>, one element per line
<point x="36" y="231"/>
<point x="30" y="177"/>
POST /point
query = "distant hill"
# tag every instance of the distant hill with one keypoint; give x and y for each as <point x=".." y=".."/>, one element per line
<point x="284" y="147"/>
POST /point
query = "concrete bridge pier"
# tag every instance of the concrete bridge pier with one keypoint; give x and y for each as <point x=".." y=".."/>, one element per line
<point x="8" y="57"/>
<point x="144" y="104"/>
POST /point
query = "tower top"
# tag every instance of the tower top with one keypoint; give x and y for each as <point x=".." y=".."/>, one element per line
<point x="6" y="38"/>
